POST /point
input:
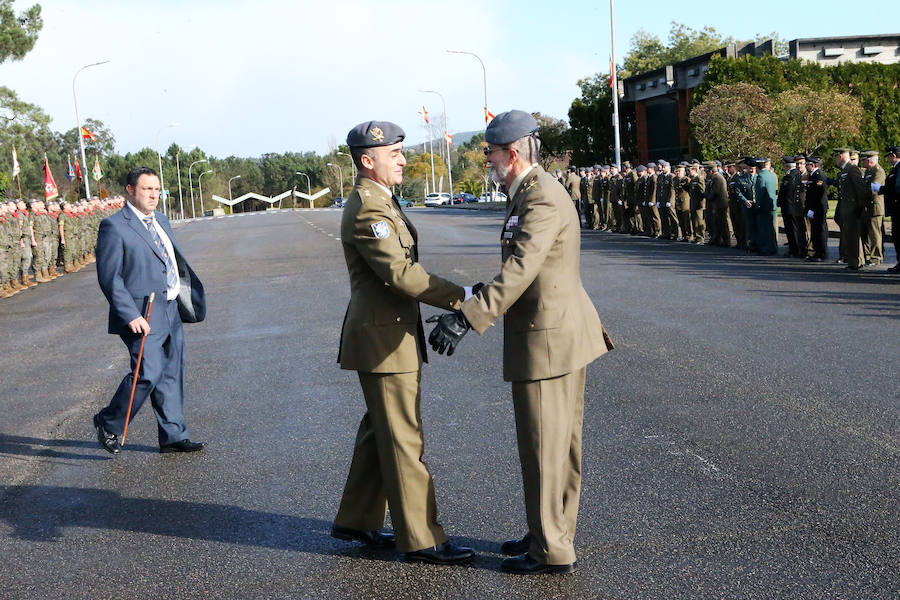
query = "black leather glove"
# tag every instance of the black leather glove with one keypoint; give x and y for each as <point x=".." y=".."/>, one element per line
<point x="450" y="328"/>
<point x="477" y="287"/>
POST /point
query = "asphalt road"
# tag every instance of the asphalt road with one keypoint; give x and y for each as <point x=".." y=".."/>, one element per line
<point x="741" y="441"/>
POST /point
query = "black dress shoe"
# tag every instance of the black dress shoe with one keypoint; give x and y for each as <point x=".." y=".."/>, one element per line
<point x="108" y="441"/>
<point x="516" y="547"/>
<point x="895" y="269"/>
<point x="525" y="565"/>
<point x="182" y="446"/>
<point x="372" y="539"/>
<point x="447" y="553"/>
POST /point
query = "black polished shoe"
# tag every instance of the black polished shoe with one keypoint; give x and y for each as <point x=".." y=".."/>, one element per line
<point x="447" y="553"/>
<point x="372" y="539"/>
<point x="108" y="441"/>
<point x="516" y="547"/>
<point x="182" y="446"/>
<point x="895" y="269"/>
<point x="525" y="565"/>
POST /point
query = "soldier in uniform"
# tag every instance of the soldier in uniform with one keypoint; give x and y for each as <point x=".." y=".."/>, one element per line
<point x="873" y="218"/>
<point x="590" y="206"/>
<point x="573" y="186"/>
<point x="787" y="190"/>
<point x="632" y="206"/>
<point x="654" y="226"/>
<point x="14" y="258"/>
<point x="585" y="188"/>
<point x="682" y="184"/>
<point x="766" y="193"/>
<point x="28" y="244"/>
<point x="41" y="222"/>
<point x="665" y="199"/>
<point x="597" y="199"/>
<point x="606" y="212"/>
<point x="698" y="203"/>
<point x="891" y="192"/>
<point x="854" y="193"/>
<point x="551" y="333"/>
<point x="716" y="194"/>
<point x="746" y="192"/>
<point x="383" y="340"/>
<point x="6" y="246"/>
<point x="68" y="237"/>
<point x="616" y="195"/>
<point x="735" y="205"/>
<point x="817" y="209"/>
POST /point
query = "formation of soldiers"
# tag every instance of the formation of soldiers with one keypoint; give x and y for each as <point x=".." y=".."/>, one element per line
<point x="39" y="242"/>
<point x="735" y="203"/>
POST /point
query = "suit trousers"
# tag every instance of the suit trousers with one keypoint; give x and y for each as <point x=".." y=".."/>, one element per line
<point x="819" y="234"/>
<point x="851" y="242"/>
<point x="798" y="236"/>
<point x="684" y="221"/>
<point x="388" y="470"/>
<point x="161" y="379"/>
<point x="549" y="416"/>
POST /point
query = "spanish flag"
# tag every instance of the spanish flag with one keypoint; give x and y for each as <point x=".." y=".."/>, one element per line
<point x="488" y="115"/>
<point x="88" y="135"/>
<point x="50" y="191"/>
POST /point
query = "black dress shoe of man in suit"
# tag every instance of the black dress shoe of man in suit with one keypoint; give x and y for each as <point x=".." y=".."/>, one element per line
<point x="108" y="441"/>
<point x="182" y="446"/>
<point x="447" y="553"/>
<point x="516" y="547"/>
<point x="525" y="565"/>
<point x="372" y="539"/>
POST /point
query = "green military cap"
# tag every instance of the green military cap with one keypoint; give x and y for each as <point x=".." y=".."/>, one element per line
<point x="375" y="133"/>
<point x="626" y="165"/>
<point x="710" y="164"/>
<point x="681" y="165"/>
<point x="868" y="153"/>
<point x="843" y="149"/>
<point x="729" y="162"/>
<point x="854" y="154"/>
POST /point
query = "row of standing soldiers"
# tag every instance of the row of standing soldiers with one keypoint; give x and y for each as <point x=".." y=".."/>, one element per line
<point x="38" y="239"/>
<point x="713" y="203"/>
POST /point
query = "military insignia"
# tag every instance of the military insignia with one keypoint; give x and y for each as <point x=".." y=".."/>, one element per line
<point x="377" y="134"/>
<point x="530" y="185"/>
<point x="381" y="230"/>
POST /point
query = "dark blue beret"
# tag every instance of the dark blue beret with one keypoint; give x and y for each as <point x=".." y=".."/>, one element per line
<point x="641" y="168"/>
<point x="509" y="126"/>
<point x="375" y="133"/>
<point x="651" y="165"/>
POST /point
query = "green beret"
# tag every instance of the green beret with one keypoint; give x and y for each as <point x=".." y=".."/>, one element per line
<point x="710" y="164"/>
<point x="375" y="133"/>
<point x="868" y="154"/>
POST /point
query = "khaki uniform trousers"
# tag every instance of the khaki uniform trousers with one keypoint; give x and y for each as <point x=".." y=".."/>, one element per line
<point x="388" y="469"/>
<point x="549" y="416"/>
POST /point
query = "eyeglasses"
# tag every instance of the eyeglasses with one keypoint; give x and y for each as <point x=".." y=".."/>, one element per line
<point x="491" y="149"/>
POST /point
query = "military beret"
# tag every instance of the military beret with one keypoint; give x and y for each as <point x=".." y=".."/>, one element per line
<point x="868" y="154"/>
<point x="843" y="149"/>
<point x="717" y="162"/>
<point x="613" y="167"/>
<point x="597" y="167"/>
<point x="626" y="165"/>
<point x="709" y="164"/>
<point x="604" y="168"/>
<point x="681" y="165"/>
<point x="694" y="161"/>
<point x="570" y="169"/>
<point x="662" y="163"/>
<point x="375" y="133"/>
<point x="730" y="162"/>
<point x="640" y="168"/>
<point x="651" y="165"/>
<point x="509" y="126"/>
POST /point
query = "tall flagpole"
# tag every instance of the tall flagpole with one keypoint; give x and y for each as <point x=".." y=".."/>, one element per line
<point x="614" y="85"/>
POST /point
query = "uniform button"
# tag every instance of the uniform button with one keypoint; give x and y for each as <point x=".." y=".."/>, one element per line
<point x="398" y="319"/>
<point x="532" y="325"/>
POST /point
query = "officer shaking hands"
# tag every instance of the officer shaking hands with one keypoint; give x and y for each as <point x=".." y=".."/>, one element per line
<point x="551" y="333"/>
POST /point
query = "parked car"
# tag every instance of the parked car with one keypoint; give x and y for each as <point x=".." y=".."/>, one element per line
<point x="464" y="197"/>
<point x="437" y="199"/>
<point x="498" y="197"/>
<point x="338" y="203"/>
<point x="404" y="203"/>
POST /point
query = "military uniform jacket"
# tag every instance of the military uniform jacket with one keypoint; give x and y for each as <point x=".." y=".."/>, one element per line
<point x="817" y="193"/>
<point x="890" y="190"/>
<point x="550" y="326"/>
<point x="615" y="190"/>
<point x="650" y="189"/>
<point x="585" y="187"/>
<point x="765" y="190"/>
<point x="665" y="190"/>
<point x="716" y="192"/>
<point x="698" y="192"/>
<point x="682" y="187"/>
<point x="573" y="186"/>
<point x="854" y="193"/>
<point x="382" y="331"/>
<point x="875" y="204"/>
<point x="734" y="196"/>
<point x="629" y="188"/>
<point x="597" y="190"/>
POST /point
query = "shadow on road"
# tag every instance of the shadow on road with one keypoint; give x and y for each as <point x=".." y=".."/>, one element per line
<point x="32" y="446"/>
<point x="46" y="511"/>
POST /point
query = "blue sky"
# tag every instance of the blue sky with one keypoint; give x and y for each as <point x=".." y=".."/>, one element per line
<point x="245" y="78"/>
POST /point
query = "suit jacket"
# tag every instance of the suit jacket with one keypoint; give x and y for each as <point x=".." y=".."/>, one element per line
<point x="382" y="330"/>
<point x="130" y="267"/>
<point x="550" y="325"/>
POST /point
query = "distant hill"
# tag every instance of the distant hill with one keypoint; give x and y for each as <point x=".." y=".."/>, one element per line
<point x="458" y="139"/>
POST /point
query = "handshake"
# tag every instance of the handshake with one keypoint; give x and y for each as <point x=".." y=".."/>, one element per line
<point x="450" y="328"/>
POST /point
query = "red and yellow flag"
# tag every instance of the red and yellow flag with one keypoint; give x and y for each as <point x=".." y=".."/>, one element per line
<point x="50" y="191"/>
<point x="88" y="135"/>
<point x="488" y="115"/>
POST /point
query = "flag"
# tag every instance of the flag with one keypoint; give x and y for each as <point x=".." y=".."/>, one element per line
<point x="78" y="172"/>
<point x="70" y="171"/>
<point x="424" y="114"/>
<point x="50" y="191"/>
<point x="488" y="115"/>
<point x="88" y="135"/>
<point x="97" y="172"/>
<point x="612" y="74"/>
<point x="448" y="137"/>
<point x="16" y="167"/>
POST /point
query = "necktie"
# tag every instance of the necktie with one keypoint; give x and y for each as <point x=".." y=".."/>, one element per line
<point x="171" y="277"/>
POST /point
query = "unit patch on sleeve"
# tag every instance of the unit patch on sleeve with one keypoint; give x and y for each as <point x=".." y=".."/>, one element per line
<point x="381" y="230"/>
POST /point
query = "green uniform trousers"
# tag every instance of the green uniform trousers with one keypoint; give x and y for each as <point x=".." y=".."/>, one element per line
<point x="388" y="470"/>
<point x="549" y="416"/>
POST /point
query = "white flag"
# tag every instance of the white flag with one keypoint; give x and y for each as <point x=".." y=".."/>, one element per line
<point x="16" y="168"/>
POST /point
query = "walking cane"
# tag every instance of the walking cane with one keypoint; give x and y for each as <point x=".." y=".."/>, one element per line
<point x="137" y="370"/>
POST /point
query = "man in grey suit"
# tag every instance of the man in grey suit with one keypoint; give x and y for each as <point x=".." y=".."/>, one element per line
<point x="137" y="255"/>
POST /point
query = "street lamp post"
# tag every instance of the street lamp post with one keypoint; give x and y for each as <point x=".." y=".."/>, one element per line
<point x="308" y="188"/>
<point x="178" y="168"/>
<point x="352" y="166"/>
<point x="162" y="181"/>
<point x="341" y="171"/>
<point x="200" y="183"/>
<point x="191" y="185"/>
<point x="484" y="74"/>
<point x="87" y="189"/>
<point x="446" y="140"/>
<point x="230" y="198"/>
